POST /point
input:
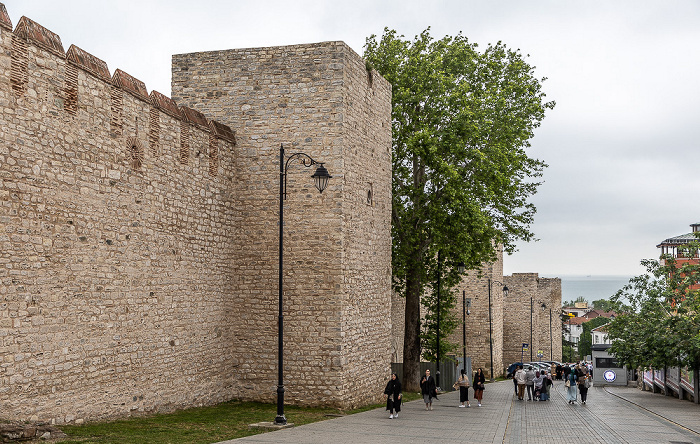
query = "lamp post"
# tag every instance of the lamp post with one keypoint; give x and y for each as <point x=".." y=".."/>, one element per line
<point x="460" y="268"/>
<point x="505" y="295"/>
<point x="439" y="272"/>
<point x="320" y="177"/>
<point x="544" y="307"/>
<point x="551" y="346"/>
<point x="531" y="344"/>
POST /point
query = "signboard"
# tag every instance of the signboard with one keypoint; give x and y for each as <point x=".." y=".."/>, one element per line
<point x="540" y="354"/>
<point x="525" y="347"/>
<point x="609" y="375"/>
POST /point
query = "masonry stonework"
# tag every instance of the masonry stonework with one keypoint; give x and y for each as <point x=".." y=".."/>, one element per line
<point x="321" y="100"/>
<point x="526" y="291"/>
<point x="138" y="236"/>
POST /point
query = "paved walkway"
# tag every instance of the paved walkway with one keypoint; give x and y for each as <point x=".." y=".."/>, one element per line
<point x="611" y="415"/>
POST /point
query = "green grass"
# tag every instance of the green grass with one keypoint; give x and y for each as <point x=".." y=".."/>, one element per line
<point x="202" y="425"/>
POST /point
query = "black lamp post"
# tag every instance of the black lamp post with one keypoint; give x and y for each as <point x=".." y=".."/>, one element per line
<point x="505" y="295"/>
<point x="531" y="344"/>
<point x="439" y="272"/>
<point x="544" y="307"/>
<point x="460" y="268"/>
<point x="320" y="177"/>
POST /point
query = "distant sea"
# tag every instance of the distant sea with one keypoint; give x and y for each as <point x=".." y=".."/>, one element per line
<point x="591" y="287"/>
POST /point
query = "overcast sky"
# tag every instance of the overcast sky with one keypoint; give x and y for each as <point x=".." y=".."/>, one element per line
<point x="620" y="144"/>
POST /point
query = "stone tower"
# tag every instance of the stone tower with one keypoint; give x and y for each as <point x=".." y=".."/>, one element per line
<point x="321" y="100"/>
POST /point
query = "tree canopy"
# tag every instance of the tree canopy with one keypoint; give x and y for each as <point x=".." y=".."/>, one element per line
<point x="461" y="122"/>
<point x="658" y="322"/>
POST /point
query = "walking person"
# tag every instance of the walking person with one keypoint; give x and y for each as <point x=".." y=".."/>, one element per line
<point x="522" y="380"/>
<point x="583" y="385"/>
<point x="478" y="384"/>
<point x="570" y="383"/>
<point x="392" y="393"/>
<point x="530" y="382"/>
<point x="546" y="384"/>
<point x="539" y="379"/>
<point x="428" y="389"/>
<point x="463" y="384"/>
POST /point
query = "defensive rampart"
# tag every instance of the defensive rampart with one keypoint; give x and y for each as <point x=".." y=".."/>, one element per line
<point x="139" y="240"/>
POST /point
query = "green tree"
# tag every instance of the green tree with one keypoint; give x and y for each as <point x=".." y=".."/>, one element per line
<point x="603" y="304"/>
<point x="572" y="303"/>
<point x="461" y="121"/>
<point x="658" y="322"/>
<point x="586" y="340"/>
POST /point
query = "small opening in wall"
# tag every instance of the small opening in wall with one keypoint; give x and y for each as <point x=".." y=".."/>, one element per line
<point x="370" y="196"/>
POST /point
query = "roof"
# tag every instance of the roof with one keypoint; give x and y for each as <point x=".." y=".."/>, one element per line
<point x="577" y="321"/>
<point x="597" y="313"/>
<point x="601" y="328"/>
<point x="683" y="238"/>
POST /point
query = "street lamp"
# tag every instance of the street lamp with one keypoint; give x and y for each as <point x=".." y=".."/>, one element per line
<point x="439" y="272"/>
<point x="460" y="268"/>
<point x="505" y="295"/>
<point x="551" y="349"/>
<point x="320" y="177"/>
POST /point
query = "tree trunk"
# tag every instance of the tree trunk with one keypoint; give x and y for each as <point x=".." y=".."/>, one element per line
<point x="411" y="338"/>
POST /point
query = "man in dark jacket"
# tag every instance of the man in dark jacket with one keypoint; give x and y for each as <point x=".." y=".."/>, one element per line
<point x="428" y="390"/>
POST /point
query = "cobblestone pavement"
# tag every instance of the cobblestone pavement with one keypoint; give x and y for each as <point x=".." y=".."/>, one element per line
<point x="611" y="415"/>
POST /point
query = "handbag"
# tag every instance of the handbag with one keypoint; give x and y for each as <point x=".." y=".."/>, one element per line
<point x="587" y="383"/>
<point x="567" y="383"/>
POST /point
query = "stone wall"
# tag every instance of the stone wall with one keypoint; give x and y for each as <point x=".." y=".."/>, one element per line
<point x="478" y="327"/>
<point x="138" y="268"/>
<point x="528" y="290"/>
<point x="318" y="99"/>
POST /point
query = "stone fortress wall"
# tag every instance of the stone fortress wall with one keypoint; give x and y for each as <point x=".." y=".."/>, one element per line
<point x="138" y="268"/>
<point x="319" y="99"/>
<point x="522" y="289"/>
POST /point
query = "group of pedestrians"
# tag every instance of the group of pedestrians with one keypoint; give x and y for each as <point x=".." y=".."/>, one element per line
<point x="539" y="383"/>
<point x="393" y="395"/>
<point x="577" y="378"/>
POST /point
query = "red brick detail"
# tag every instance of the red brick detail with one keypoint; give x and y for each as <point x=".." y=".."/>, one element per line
<point x="117" y="107"/>
<point x="223" y="132"/>
<point x="213" y="155"/>
<point x="30" y="30"/>
<point x="195" y="117"/>
<point x="89" y="63"/>
<point x="154" y="131"/>
<point x="71" y="90"/>
<point x="5" y="21"/>
<point x="134" y="153"/>
<point x="130" y="84"/>
<point x="165" y="104"/>
<point x="184" y="142"/>
<point x="18" y="72"/>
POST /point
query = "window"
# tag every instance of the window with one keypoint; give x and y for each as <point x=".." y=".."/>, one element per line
<point x="606" y="363"/>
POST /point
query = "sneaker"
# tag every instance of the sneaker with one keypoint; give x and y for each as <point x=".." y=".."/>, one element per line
<point x="468" y="405"/>
<point x="431" y="407"/>
<point x="396" y="415"/>
<point x="479" y="404"/>
<point x="461" y="405"/>
<point x="391" y="416"/>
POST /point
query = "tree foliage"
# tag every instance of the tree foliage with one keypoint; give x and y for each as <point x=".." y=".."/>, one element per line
<point x="585" y="341"/>
<point x="658" y="322"/>
<point x="461" y="121"/>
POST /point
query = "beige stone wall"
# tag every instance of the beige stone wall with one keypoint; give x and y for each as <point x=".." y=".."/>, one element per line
<point x="318" y="99"/>
<point x="524" y="288"/>
<point x="476" y="289"/>
<point x="113" y="278"/>
<point x="138" y="268"/>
